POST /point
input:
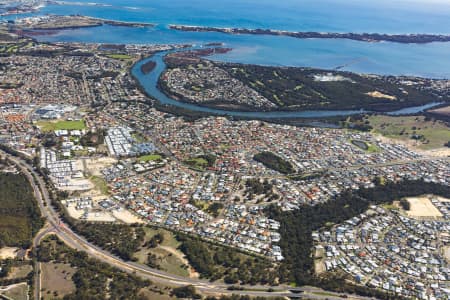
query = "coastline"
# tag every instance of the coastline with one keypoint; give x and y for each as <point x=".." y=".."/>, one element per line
<point x="58" y="22"/>
<point x="362" y="37"/>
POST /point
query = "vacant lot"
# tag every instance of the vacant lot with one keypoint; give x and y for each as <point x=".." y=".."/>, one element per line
<point x="428" y="134"/>
<point x="46" y="126"/>
<point x="422" y="207"/>
<point x="56" y="280"/>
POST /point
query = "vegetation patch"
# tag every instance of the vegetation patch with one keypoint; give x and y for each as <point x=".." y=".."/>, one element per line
<point x="218" y="262"/>
<point x="365" y="146"/>
<point x="201" y="162"/>
<point x="274" y="162"/>
<point x="309" y="88"/>
<point x="20" y="218"/>
<point x="121" y="240"/>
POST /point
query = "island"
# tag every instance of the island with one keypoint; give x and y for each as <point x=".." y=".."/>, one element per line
<point x="148" y="67"/>
<point x="363" y="37"/>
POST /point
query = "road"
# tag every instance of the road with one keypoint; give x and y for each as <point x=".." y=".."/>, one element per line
<point x="56" y="226"/>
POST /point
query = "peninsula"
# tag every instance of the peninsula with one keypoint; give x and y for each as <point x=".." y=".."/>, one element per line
<point x="57" y="22"/>
<point x="364" y="37"/>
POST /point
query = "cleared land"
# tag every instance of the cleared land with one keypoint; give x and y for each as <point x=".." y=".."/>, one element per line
<point x="428" y="134"/>
<point x="8" y="252"/>
<point x="56" y="280"/>
<point x="422" y="207"/>
<point x="46" y="126"/>
<point x="17" y="291"/>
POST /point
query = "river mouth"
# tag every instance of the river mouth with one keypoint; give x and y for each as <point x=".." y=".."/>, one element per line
<point x="149" y="83"/>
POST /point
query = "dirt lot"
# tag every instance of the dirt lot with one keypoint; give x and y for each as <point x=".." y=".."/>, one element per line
<point x="126" y="216"/>
<point x="8" y="252"/>
<point x="422" y="207"/>
<point x="95" y="165"/>
<point x="56" y="280"/>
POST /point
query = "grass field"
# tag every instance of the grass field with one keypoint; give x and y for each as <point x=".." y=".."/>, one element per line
<point x="435" y="133"/>
<point x="56" y="280"/>
<point x="61" y="125"/>
<point x="118" y="56"/>
<point x="151" y="157"/>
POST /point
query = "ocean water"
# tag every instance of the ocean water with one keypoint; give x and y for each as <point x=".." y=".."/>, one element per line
<point x="382" y="16"/>
<point x="386" y="16"/>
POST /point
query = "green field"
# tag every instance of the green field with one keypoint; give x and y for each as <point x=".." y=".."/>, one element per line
<point x="151" y="157"/>
<point x="61" y="125"/>
<point x="431" y="134"/>
<point x="118" y="56"/>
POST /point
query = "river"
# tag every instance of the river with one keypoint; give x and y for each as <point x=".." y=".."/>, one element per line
<point x="150" y="84"/>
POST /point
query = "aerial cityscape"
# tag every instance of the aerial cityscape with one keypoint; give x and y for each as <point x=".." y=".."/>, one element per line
<point x="236" y="150"/>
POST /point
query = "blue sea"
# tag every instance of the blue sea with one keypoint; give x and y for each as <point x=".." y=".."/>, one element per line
<point x="382" y="16"/>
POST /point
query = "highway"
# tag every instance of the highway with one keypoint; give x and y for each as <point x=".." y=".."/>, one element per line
<point x="56" y="226"/>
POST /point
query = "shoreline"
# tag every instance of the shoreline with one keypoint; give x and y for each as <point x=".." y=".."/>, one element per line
<point x="185" y="108"/>
<point x="60" y="22"/>
<point x="362" y="37"/>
